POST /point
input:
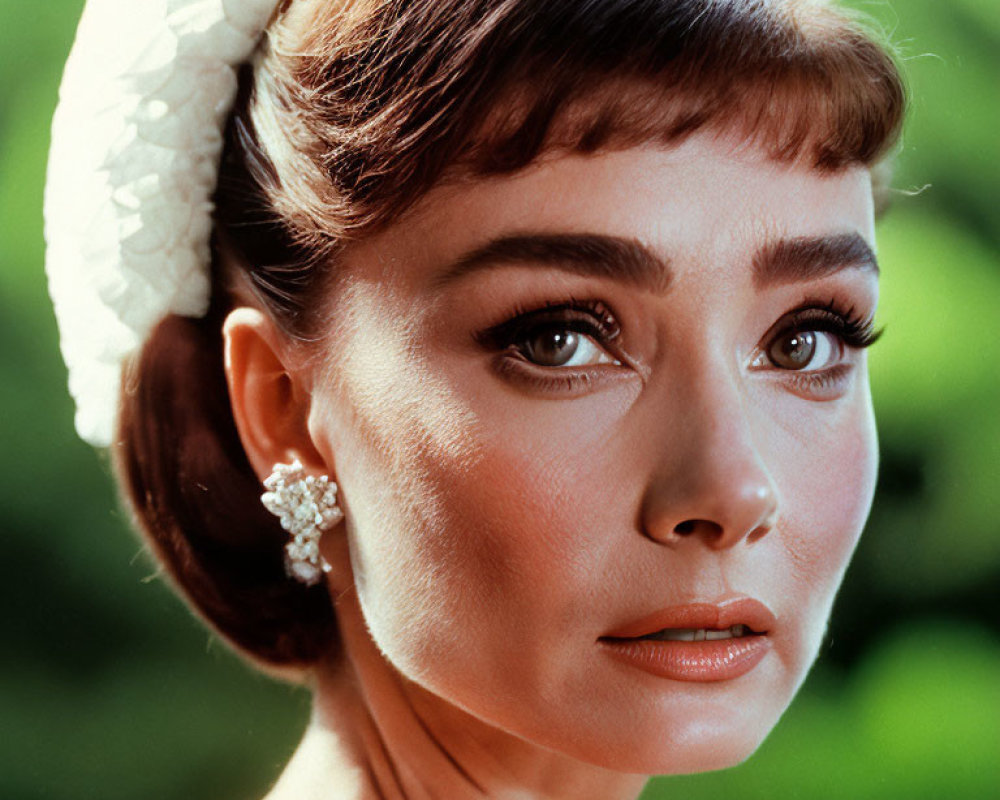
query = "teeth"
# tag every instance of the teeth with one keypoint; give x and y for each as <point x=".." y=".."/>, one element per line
<point x="698" y="634"/>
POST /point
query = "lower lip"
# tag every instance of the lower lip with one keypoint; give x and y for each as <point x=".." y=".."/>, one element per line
<point x="719" y="660"/>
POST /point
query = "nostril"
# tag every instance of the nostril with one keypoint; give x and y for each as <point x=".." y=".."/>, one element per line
<point x="689" y="526"/>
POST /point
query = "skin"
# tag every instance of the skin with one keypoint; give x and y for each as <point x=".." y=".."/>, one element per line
<point x="501" y="516"/>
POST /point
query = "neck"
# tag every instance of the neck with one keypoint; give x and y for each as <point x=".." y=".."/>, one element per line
<point x="376" y="735"/>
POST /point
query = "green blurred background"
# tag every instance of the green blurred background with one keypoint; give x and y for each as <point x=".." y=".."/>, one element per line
<point x="108" y="688"/>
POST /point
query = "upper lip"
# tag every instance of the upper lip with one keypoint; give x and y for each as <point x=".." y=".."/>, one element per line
<point x="711" y="616"/>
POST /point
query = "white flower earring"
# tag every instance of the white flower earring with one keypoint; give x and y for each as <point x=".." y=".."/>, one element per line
<point x="306" y="505"/>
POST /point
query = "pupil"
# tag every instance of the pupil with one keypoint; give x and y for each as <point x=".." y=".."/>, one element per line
<point x="795" y="351"/>
<point x="553" y="347"/>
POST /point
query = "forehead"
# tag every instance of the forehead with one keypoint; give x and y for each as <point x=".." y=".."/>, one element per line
<point x="708" y="200"/>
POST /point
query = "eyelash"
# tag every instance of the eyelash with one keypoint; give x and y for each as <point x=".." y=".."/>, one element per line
<point x="594" y="319"/>
<point x="589" y="317"/>
<point x="857" y="331"/>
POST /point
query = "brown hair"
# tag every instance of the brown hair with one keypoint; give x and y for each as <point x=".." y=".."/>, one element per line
<point x="354" y="111"/>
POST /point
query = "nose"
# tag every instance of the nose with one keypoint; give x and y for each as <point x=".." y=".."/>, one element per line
<point x="711" y="482"/>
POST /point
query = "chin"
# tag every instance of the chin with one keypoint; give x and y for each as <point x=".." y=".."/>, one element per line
<point x="687" y="759"/>
<point x="708" y="756"/>
<point x="702" y="744"/>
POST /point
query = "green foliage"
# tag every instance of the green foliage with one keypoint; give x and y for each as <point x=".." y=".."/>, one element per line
<point x="106" y="686"/>
<point x="935" y="383"/>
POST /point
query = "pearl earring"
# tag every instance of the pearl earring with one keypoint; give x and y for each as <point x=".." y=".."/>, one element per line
<point x="306" y="505"/>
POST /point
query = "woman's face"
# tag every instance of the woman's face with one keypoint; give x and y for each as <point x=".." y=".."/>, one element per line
<point x="607" y="396"/>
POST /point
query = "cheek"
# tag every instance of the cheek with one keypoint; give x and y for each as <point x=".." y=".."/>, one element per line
<point x="826" y="499"/>
<point x="488" y="527"/>
<point x="393" y="465"/>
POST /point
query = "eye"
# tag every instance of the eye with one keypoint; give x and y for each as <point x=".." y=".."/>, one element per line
<point x="556" y="345"/>
<point x="813" y="349"/>
<point x="566" y="346"/>
<point x="805" y="351"/>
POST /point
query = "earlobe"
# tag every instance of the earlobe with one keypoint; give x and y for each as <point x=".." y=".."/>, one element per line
<point x="270" y="406"/>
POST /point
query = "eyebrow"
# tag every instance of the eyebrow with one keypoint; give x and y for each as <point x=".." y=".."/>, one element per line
<point x="783" y="261"/>
<point x="807" y="258"/>
<point x="596" y="255"/>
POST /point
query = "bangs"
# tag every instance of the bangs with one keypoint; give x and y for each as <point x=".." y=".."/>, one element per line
<point x="377" y="109"/>
<point x="816" y="90"/>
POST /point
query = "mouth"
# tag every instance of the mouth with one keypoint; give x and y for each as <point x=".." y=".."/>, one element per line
<point x="700" y="642"/>
<point x="696" y="634"/>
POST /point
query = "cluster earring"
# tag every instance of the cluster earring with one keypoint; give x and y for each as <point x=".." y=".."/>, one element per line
<point x="306" y="505"/>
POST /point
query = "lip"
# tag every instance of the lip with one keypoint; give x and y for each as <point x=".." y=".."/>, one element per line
<point x="703" y="661"/>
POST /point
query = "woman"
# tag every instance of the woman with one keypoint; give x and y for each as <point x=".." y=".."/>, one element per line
<point x="542" y="326"/>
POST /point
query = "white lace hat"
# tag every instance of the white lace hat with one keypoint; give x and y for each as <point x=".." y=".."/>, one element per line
<point x="136" y="141"/>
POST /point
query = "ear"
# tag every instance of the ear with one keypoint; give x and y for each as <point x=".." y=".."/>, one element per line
<point x="270" y="404"/>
